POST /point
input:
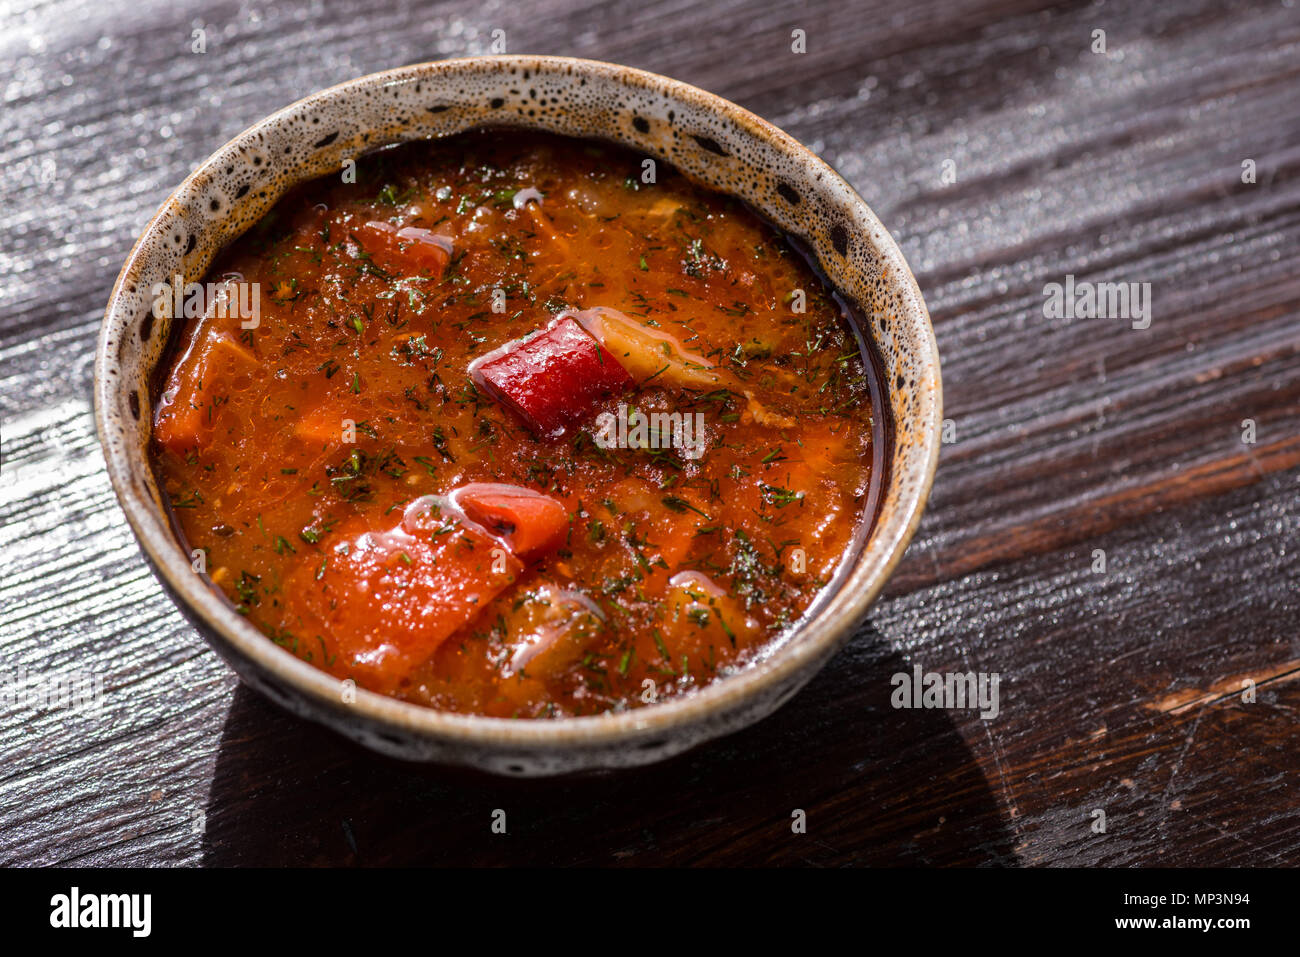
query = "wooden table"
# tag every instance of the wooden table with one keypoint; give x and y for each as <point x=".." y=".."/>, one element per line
<point x="1122" y="689"/>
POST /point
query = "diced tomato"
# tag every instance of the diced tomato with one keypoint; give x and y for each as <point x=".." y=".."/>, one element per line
<point x="188" y="407"/>
<point x="553" y="378"/>
<point x="528" y="521"/>
<point x="407" y="249"/>
<point x="384" y="603"/>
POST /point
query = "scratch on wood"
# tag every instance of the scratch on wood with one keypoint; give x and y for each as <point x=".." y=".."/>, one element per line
<point x="1180" y="702"/>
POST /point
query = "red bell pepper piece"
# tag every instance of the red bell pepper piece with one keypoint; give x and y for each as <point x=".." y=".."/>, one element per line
<point x="551" y="379"/>
<point x="384" y="603"/>
<point x="528" y="521"/>
<point x="213" y="363"/>
<point x="407" y="249"/>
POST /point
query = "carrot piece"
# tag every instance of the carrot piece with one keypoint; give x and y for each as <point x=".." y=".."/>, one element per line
<point x="323" y="425"/>
<point x="406" y="249"/>
<point x="528" y="521"/>
<point x="674" y="535"/>
<point x="384" y="604"/>
<point x="187" y="409"/>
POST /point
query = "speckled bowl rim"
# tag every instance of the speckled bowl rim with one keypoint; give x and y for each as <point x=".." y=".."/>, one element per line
<point x="818" y="638"/>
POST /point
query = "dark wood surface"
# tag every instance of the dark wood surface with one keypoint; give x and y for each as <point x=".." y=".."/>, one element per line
<point x="1121" y="690"/>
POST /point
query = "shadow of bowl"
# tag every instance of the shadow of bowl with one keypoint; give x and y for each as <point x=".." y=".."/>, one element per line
<point x="876" y="787"/>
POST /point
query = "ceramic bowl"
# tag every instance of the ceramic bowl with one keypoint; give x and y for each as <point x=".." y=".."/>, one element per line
<point x="712" y="140"/>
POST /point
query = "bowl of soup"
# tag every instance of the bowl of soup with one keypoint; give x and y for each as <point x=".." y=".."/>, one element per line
<point x="528" y="413"/>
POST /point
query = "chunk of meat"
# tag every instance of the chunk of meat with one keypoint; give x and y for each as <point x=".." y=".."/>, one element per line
<point x="701" y="614"/>
<point x="550" y="627"/>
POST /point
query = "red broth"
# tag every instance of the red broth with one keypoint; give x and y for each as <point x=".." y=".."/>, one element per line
<point x="517" y="432"/>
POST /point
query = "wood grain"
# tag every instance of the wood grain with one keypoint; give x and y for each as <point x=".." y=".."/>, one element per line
<point x="1122" y="689"/>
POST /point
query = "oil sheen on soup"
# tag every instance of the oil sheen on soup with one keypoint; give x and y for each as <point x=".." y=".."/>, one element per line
<point x="516" y="425"/>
